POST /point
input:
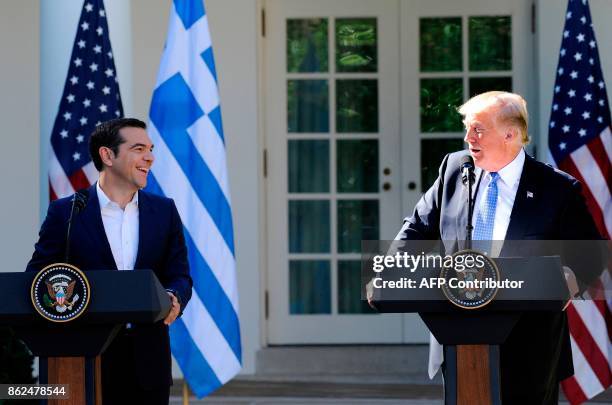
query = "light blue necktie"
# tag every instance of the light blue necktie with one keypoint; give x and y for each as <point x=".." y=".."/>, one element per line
<point x="485" y="219"/>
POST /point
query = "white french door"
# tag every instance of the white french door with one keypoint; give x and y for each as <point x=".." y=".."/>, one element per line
<point x="332" y="136"/>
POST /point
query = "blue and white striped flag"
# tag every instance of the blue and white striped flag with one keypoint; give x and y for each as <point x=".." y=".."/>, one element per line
<point x="190" y="167"/>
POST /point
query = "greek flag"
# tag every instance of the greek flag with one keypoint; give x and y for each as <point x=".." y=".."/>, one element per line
<point x="185" y="126"/>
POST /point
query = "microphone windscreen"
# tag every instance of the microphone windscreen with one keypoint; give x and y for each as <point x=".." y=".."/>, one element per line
<point x="467" y="162"/>
<point x="80" y="199"/>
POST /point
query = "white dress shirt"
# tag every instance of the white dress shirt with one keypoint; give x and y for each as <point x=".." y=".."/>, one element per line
<point x="121" y="228"/>
<point x="507" y="186"/>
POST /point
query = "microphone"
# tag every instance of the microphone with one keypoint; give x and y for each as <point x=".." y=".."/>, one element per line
<point x="468" y="177"/>
<point x="467" y="170"/>
<point x="79" y="201"/>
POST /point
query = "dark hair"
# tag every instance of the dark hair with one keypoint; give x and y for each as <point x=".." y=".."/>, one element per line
<point x="107" y="134"/>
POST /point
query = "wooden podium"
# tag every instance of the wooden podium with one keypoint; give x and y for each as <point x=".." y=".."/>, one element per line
<point x="70" y="352"/>
<point x="471" y="337"/>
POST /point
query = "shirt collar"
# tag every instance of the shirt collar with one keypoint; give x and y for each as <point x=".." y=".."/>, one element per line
<point x="511" y="173"/>
<point x="105" y="201"/>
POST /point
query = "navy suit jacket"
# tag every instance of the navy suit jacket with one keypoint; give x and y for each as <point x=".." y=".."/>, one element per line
<point x="548" y="206"/>
<point x="161" y="248"/>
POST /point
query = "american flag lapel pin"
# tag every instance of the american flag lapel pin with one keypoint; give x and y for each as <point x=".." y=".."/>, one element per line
<point x="529" y="194"/>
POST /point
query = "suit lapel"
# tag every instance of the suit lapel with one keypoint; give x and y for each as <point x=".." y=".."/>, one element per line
<point x="462" y="217"/>
<point x="91" y="220"/>
<point x="524" y="210"/>
<point x="146" y="220"/>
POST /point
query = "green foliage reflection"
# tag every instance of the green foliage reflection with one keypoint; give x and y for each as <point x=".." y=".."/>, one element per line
<point x="432" y="153"/>
<point x="357" y="166"/>
<point x="490" y="41"/>
<point x="439" y="101"/>
<point x="357" y="220"/>
<point x="356" y="45"/>
<point x="357" y="105"/>
<point x="440" y="42"/>
<point x="307" y="45"/>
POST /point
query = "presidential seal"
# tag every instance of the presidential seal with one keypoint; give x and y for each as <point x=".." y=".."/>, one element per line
<point x="60" y="292"/>
<point x="471" y="279"/>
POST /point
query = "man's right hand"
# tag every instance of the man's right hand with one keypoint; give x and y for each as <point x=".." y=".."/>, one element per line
<point x="370" y="294"/>
<point x="572" y="285"/>
<point x="175" y="310"/>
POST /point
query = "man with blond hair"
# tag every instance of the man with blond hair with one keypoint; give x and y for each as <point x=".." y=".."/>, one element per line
<point x="515" y="197"/>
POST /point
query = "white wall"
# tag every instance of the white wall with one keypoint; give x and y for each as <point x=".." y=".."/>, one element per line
<point x="233" y="25"/>
<point x="19" y="114"/>
<point x="550" y="21"/>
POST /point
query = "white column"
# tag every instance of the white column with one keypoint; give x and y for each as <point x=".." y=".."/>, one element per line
<point x="19" y="95"/>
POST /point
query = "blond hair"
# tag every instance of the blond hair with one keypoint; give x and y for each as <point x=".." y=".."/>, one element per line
<point x="512" y="109"/>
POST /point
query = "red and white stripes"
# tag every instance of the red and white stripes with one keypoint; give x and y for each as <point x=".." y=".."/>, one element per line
<point x="590" y="321"/>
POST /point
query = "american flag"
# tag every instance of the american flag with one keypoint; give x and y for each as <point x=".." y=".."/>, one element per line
<point x="91" y="96"/>
<point x="580" y="143"/>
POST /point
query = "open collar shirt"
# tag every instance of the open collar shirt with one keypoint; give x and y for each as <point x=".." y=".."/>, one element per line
<point x="121" y="228"/>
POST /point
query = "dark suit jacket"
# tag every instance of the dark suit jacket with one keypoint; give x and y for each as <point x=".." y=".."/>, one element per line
<point x="161" y="248"/>
<point x="538" y="352"/>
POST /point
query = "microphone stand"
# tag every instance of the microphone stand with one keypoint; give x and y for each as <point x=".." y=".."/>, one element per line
<point x="469" y="227"/>
<point x="79" y="200"/>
